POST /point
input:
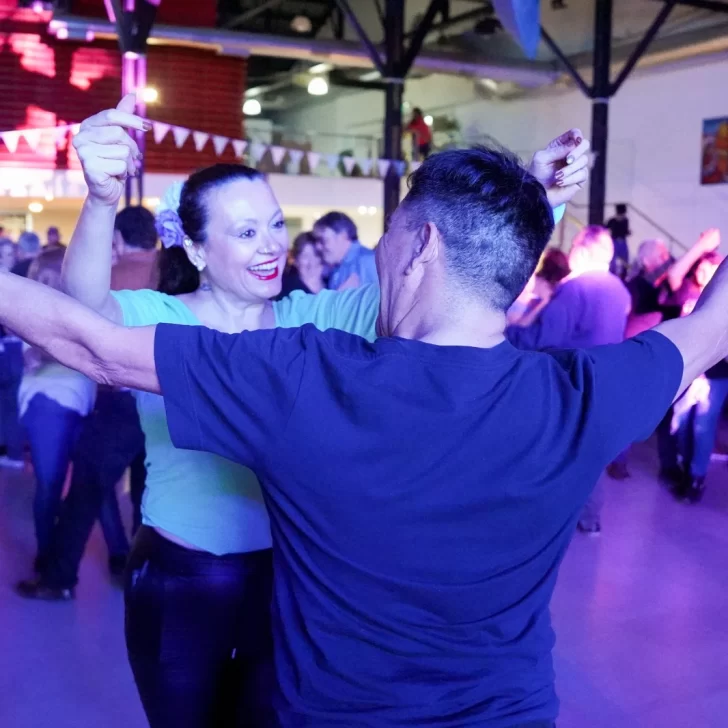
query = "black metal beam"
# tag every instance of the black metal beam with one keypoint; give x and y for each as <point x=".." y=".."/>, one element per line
<point x="601" y="91"/>
<point x="337" y="78"/>
<point x="716" y="7"/>
<point x="365" y="39"/>
<point x="423" y="28"/>
<point x="642" y="46"/>
<point x="380" y="12"/>
<point x="449" y="21"/>
<point x="578" y="79"/>
<point x="251" y="14"/>
<point x="394" y="46"/>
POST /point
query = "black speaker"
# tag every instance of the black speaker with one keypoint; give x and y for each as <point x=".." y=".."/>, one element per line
<point x="522" y="19"/>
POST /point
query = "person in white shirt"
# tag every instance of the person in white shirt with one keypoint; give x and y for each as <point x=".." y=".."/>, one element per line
<point x="53" y="401"/>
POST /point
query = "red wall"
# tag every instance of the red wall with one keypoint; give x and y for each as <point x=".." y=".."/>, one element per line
<point x="193" y="13"/>
<point x="45" y="82"/>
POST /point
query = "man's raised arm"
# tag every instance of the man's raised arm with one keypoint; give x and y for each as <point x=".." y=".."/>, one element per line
<point x="702" y="337"/>
<point x="78" y="337"/>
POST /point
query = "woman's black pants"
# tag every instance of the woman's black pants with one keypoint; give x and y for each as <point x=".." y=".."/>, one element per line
<point x="198" y="635"/>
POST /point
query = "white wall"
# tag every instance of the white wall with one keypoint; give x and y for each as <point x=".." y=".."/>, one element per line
<point x="655" y="134"/>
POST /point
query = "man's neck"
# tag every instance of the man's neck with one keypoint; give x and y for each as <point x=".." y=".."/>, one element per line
<point x="467" y="323"/>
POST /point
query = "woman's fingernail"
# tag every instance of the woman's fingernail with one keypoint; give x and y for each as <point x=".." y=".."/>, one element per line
<point x="559" y="175"/>
<point x="147" y="126"/>
<point x="579" y="140"/>
<point x="570" y="160"/>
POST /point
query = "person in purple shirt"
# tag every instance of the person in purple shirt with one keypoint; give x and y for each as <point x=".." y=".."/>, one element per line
<point x="588" y="308"/>
<point x="414" y="570"/>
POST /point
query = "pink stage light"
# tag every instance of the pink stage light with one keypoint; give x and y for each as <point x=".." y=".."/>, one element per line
<point x="62" y="33"/>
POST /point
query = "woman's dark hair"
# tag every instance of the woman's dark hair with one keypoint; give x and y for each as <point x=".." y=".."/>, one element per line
<point x="554" y="266"/>
<point x="301" y="241"/>
<point x="176" y="274"/>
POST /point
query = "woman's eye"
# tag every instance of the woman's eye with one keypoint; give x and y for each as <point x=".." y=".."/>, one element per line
<point x="248" y="233"/>
<point x="279" y="224"/>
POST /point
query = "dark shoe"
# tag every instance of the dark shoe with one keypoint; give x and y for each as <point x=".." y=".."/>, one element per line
<point x="593" y="529"/>
<point x="671" y="477"/>
<point x="618" y="471"/>
<point x="36" y="589"/>
<point x="695" y="490"/>
<point x="117" y="564"/>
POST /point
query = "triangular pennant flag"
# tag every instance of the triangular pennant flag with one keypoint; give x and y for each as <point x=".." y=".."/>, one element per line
<point x="160" y="131"/>
<point x="180" y="135"/>
<point x="296" y="156"/>
<point x="200" y="139"/>
<point x="349" y="163"/>
<point x="332" y="161"/>
<point x="313" y="159"/>
<point x="258" y="150"/>
<point x="366" y="166"/>
<point x="219" y="142"/>
<point x="10" y="139"/>
<point x="414" y="166"/>
<point x="383" y="167"/>
<point x="32" y="137"/>
<point x="239" y="145"/>
<point x="277" y="154"/>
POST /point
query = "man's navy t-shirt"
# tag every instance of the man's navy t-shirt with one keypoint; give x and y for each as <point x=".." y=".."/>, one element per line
<point x="421" y="500"/>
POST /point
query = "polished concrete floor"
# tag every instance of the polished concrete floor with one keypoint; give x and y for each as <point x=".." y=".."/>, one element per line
<point x="641" y="615"/>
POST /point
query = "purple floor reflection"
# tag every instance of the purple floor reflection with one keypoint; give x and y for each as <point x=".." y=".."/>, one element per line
<point x="639" y="614"/>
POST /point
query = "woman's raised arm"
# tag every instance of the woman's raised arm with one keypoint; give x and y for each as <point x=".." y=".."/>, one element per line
<point x="109" y="155"/>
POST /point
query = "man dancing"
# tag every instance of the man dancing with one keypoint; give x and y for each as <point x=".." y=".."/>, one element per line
<point x="416" y="552"/>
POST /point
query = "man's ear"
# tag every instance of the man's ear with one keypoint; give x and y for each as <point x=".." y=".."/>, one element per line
<point x="427" y="246"/>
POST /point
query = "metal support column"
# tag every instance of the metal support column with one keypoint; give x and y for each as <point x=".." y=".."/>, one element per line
<point x="601" y="92"/>
<point x="394" y="47"/>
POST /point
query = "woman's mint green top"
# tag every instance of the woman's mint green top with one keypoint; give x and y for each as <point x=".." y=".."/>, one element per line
<point x="207" y="501"/>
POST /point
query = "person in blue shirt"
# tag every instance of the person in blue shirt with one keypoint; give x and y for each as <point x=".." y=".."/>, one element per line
<point x="350" y="264"/>
<point x="414" y="569"/>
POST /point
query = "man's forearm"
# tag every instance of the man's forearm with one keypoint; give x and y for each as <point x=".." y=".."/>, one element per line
<point x="87" y="264"/>
<point x="77" y="337"/>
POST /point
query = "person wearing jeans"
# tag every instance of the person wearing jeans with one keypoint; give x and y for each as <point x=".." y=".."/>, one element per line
<point x="697" y="429"/>
<point x="11" y="374"/>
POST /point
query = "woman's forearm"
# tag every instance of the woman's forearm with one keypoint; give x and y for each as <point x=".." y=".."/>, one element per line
<point x="76" y="336"/>
<point x="87" y="264"/>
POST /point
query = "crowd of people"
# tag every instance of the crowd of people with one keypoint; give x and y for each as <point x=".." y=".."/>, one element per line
<point x="365" y="486"/>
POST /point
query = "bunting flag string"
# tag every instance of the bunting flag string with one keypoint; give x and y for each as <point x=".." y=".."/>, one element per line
<point x="346" y="164"/>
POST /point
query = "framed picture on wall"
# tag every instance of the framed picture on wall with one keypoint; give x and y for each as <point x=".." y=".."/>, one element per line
<point x="714" y="162"/>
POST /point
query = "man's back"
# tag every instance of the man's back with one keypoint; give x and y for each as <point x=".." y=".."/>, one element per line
<point x="588" y="310"/>
<point x="421" y="500"/>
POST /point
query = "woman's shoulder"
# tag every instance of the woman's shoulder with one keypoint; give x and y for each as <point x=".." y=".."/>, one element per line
<point x="147" y="308"/>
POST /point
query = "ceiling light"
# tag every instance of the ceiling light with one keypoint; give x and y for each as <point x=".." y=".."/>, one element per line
<point x="150" y="95"/>
<point x="372" y="210"/>
<point x="362" y="210"/>
<point x="489" y="83"/>
<point x="252" y="107"/>
<point x="301" y="24"/>
<point x="320" y="68"/>
<point x="317" y="86"/>
<point x="62" y="33"/>
<point x="35" y="207"/>
<point x="429" y="120"/>
<point x="49" y="197"/>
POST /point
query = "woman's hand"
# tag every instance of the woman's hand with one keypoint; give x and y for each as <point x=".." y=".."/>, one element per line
<point x="107" y="152"/>
<point x="562" y="167"/>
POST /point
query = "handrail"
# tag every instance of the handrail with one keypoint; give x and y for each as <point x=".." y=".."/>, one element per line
<point x="668" y="235"/>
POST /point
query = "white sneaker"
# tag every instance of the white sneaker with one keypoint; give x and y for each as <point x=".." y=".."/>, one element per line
<point x="6" y="462"/>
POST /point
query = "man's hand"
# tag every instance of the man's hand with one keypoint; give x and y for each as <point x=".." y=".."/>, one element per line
<point x="562" y="167"/>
